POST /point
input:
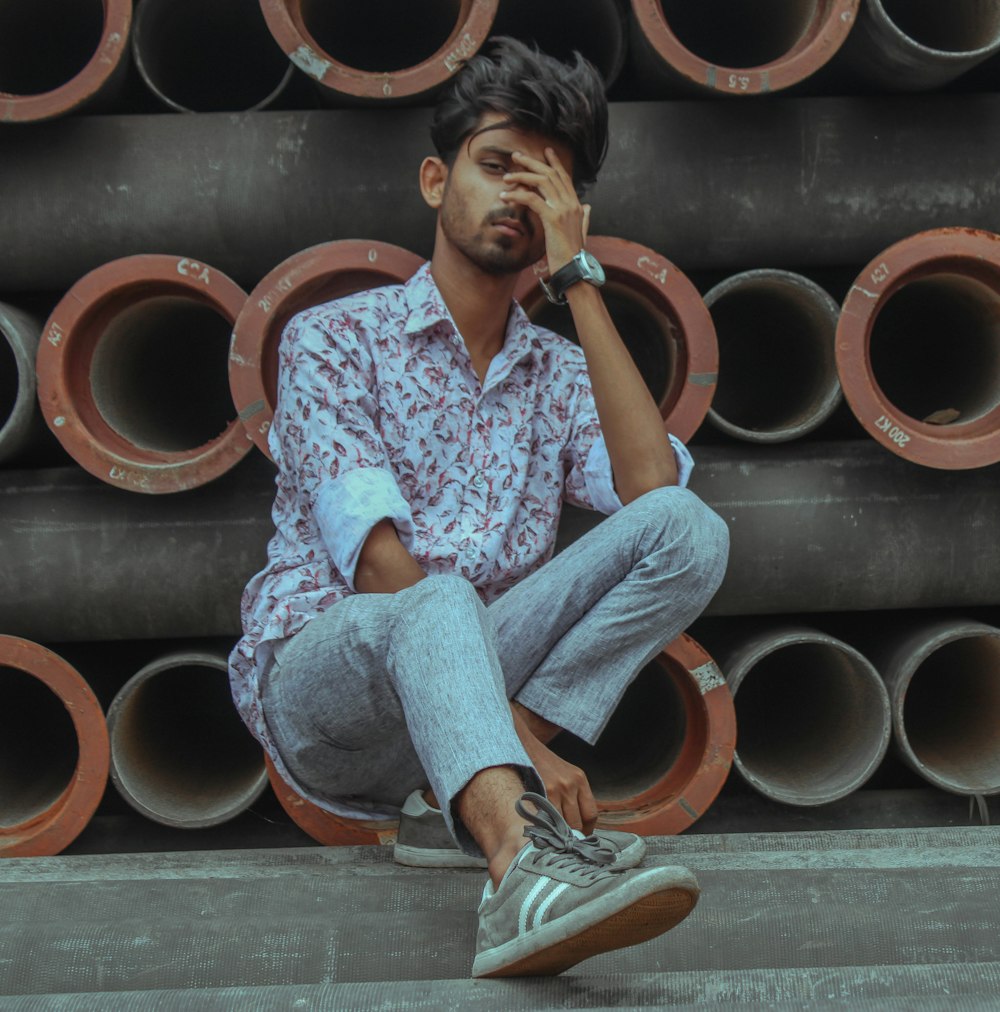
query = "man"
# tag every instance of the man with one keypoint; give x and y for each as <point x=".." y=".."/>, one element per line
<point x="409" y="643"/>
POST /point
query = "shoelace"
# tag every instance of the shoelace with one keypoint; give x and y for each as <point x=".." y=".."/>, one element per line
<point x="549" y="832"/>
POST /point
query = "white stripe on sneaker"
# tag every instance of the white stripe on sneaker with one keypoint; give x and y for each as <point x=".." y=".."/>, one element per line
<point x="546" y="903"/>
<point x="522" y="920"/>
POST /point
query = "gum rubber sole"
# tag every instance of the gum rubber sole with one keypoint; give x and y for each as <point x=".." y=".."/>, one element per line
<point x="639" y="922"/>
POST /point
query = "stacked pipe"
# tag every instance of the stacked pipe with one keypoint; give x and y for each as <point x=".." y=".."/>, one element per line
<point x="808" y="283"/>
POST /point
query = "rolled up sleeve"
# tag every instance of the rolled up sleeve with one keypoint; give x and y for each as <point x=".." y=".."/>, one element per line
<point x="326" y="441"/>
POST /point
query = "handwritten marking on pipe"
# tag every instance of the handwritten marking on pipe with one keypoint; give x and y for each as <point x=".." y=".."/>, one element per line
<point x="864" y="291"/>
<point x="123" y="474"/>
<point x="703" y="379"/>
<point x="193" y="269"/>
<point x="880" y="274"/>
<point x="55" y="335"/>
<point x="251" y="409"/>
<point x="466" y="47"/>
<point x="312" y="63"/>
<point x="688" y="807"/>
<point x="654" y="268"/>
<point x="372" y="255"/>
<point x="894" y="432"/>
<point x="739" y="82"/>
<point x="59" y="422"/>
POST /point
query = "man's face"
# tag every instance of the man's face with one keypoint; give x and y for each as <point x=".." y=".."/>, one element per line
<point x="497" y="236"/>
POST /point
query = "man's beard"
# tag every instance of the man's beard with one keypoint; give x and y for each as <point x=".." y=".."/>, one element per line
<point x="491" y="256"/>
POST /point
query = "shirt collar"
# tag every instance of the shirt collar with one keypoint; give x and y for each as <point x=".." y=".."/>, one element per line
<point x="426" y="311"/>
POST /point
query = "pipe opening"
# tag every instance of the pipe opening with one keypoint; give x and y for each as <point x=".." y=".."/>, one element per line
<point x="10" y="380"/>
<point x="180" y="749"/>
<point x="159" y="375"/>
<point x="951" y="713"/>
<point x="558" y="27"/>
<point x="812" y="723"/>
<point x="740" y="33"/>
<point x="960" y="26"/>
<point x="382" y="35"/>
<point x="641" y="742"/>
<point x="208" y="57"/>
<point x="45" y="44"/>
<point x="39" y="749"/>
<point x="777" y="365"/>
<point x="648" y="333"/>
<point x="935" y="349"/>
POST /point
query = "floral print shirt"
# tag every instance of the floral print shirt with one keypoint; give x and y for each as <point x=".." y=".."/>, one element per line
<point x="380" y="414"/>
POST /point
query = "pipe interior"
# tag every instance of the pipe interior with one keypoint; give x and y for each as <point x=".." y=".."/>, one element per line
<point x="159" y="374"/>
<point x="39" y="749"/>
<point x="641" y="742"/>
<point x="935" y="346"/>
<point x="740" y="33"/>
<point x="811" y="722"/>
<point x="648" y="333"/>
<point x="45" y="43"/>
<point x="208" y="57"/>
<point x="558" y="27"/>
<point x="777" y="366"/>
<point x="952" y="713"/>
<point x="958" y="26"/>
<point x="380" y="35"/>
<point x="180" y="748"/>
<point x="10" y="379"/>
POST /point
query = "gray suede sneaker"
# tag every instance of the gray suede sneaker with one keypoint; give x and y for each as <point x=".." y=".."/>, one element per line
<point x="561" y="902"/>
<point x="423" y="841"/>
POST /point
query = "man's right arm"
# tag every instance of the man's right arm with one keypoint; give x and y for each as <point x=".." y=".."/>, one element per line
<point x="384" y="565"/>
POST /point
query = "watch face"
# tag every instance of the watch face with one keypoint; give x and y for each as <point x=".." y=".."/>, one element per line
<point x="594" y="267"/>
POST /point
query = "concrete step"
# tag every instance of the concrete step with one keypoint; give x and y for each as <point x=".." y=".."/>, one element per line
<point x="880" y="915"/>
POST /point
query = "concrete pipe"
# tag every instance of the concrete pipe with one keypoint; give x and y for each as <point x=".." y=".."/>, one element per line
<point x="656" y="769"/>
<point x="315" y="275"/>
<point x="56" y="58"/>
<point x="744" y="48"/>
<point x="180" y="755"/>
<point x="206" y="57"/>
<point x="837" y="179"/>
<point x="911" y="45"/>
<point x="662" y="320"/>
<point x="944" y="684"/>
<point x="85" y="562"/>
<point x="777" y="367"/>
<point x="597" y="29"/>
<point x="918" y="348"/>
<point x="54" y="751"/>
<point x="828" y="527"/>
<point x="813" y="714"/>
<point x="20" y="422"/>
<point x="390" y="51"/>
<point x="132" y="373"/>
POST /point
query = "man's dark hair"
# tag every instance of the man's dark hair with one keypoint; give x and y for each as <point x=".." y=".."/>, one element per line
<point x="537" y="93"/>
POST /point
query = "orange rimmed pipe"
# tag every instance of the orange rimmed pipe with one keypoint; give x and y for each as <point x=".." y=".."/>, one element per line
<point x="389" y="50"/>
<point x="54" y="751"/>
<point x="662" y="319"/>
<point x="918" y="348"/>
<point x="657" y="768"/>
<point x="737" y="48"/>
<point x="133" y="377"/>
<point x="318" y="274"/>
<point x="55" y="58"/>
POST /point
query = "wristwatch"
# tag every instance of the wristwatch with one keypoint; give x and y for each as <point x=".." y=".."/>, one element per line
<point x="583" y="267"/>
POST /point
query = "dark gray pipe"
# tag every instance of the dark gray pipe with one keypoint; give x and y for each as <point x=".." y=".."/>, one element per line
<point x="777" y="368"/>
<point x="943" y="678"/>
<point x="796" y="182"/>
<point x="87" y="561"/>
<point x="180" y="755"/>
<point x="827" y="527"/>
<point x="595" y="28"/>
<point x="911" y="45"/>
<point x="812" y="714"/>
<point x="20" y="421"/>
<point x="206" y="57"/>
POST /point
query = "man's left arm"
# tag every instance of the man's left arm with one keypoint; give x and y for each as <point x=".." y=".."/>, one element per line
<point x="641" y="455"/>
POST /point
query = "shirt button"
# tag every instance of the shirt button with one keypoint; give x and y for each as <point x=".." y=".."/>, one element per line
<point x="478" y="481"/>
